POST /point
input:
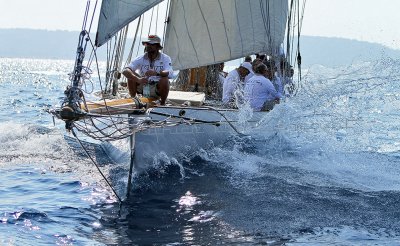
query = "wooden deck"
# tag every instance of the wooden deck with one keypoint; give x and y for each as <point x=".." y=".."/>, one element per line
<point x="127" y="105"/>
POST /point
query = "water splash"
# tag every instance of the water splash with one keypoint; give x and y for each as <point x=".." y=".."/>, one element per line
<point x="337" y="131"/>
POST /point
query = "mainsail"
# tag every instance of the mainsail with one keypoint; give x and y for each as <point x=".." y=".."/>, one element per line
<point x="116" y="14"/>
<point x="203" y="32"/>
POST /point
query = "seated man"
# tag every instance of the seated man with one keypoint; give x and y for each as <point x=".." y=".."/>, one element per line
<point x="276" y="81"/>
<point x="287" y="72"/>
<point x="152" y="69"/>
<point x="259" y="90"/>
<point x="234" y="81"/>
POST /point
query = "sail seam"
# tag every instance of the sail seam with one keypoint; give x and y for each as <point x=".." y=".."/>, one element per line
<point x="208" y="30"/>
<point x="179" y="53"/>
<point x="190" y="37"/>
<point x="252" y="24"/>
<point x="226" y="33"/>
<point x="264" y="24"/>
<point x="265" y="14"/>
<point x="238" y="23"/>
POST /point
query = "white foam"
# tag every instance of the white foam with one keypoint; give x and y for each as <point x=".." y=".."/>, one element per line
<point x="341" y="128"/>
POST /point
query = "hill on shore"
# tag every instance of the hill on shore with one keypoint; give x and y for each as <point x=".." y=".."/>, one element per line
<point x="30" y="43"/>
<point x="339" y="51"/>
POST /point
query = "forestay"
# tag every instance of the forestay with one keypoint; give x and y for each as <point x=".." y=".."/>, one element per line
<point x="203" y="32"/>
<point x="115" y="14"/>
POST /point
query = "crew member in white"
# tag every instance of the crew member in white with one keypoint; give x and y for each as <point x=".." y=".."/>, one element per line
<point x="259" y="91"/>
<point x="234" y="81"/>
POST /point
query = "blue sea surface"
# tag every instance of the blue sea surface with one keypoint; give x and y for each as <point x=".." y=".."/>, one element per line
<point x="322" y="168"/>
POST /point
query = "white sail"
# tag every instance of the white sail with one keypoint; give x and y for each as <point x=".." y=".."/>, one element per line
<point x="115" y="14"/>
<point x="203" y="32"/>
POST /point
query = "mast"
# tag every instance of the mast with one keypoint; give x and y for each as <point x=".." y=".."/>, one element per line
<point x="71" y="110"/>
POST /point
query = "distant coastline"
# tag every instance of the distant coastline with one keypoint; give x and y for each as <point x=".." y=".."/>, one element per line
<point x="30" y="43"/>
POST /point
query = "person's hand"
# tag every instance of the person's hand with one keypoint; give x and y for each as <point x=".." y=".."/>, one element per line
<point x="150" y="73"/>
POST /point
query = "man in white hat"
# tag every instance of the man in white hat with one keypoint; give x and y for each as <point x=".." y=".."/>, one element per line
<point x="235" y="81"/>
<point x="149" y="74"/>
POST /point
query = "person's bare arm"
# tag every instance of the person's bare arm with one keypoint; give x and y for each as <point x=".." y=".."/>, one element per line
<point x="129" y="74"/>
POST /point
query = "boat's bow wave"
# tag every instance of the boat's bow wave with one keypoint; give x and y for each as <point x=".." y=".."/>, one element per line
<point x="27" y="142"/>
<point x="47" y="149"/>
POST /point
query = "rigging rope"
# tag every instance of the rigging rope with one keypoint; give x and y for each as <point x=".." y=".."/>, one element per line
<point x="265" y="13"/>
<point x="129" y="58"/>
<point x="98" y="168"/>
<point x="288" y="51"/>
<point x="298" y="40"/>
<point x="91" y="21"/>
<point x="299" y="26"/>
<point x="85" y="16"/>
<point x="101" y="88"/>
<point x="166" y="21"/>
<point x="105" y="127"/>
<point x="158" y="7"/>
<point x="151" y="20"/>
<point x="140" y="39"/>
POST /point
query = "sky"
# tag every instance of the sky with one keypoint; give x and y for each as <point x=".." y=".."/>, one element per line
<point x="364" y="20"/>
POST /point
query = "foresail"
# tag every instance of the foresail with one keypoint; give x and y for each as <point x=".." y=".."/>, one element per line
<point x="203" y="32"/>
<point x="115" y="14"/>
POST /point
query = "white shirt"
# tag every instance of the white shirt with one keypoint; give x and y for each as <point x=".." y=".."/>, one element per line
<point x="277" y="82"/>
<point x="232" y="83"/>
<point x="248" y="76"/>
<point x="259" y="90"/>
<point x="142" y="64"/>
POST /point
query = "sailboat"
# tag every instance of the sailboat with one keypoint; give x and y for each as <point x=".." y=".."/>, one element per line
<point x="197" y="33"/>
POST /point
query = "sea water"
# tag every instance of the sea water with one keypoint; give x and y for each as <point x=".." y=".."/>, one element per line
<point x="322" y="168"/>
